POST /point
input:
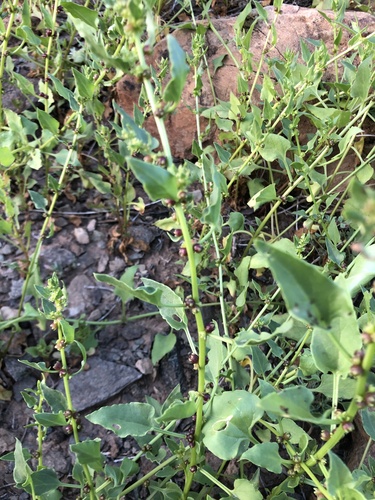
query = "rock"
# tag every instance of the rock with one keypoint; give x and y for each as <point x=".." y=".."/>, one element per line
<point x="91" y="225"/>
<point x="6" y="249"/>
<point x="55" y="258"/>
<point x="83" y="296"/>
<point x="145" y="366"/>
<point x="8" y="313"/>
<point x="117" y="265"/>
<point x="81" y="235"/>
<point x="100" y="382"/>
<point x="7" y="441"/>
<point x="306" y="24"/>
<point x="16" y="289"/>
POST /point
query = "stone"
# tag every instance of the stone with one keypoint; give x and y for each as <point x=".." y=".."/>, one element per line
<point x="99" y="383"/>
<point x="16" y="289"/>
<point x="306" y="24"/>
<point x="7" y="441"/>
<point x="91" y="225"/>
<point x="83" y="296"/>
<point x="117" y="265"/>
<point x="81" y="235"/>
<point x="8" y="313"/>
<point x="53" y="258"/>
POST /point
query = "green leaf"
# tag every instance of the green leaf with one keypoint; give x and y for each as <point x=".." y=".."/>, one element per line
<point x="212" y="213"/>
<point x="128" y="279"/>
<point x="361" y="271"/>
<point x="86" y="15"/>
<point x="171" y="306"/>
<point x="362" y="82"/>
<point x="265" y="455"/>
<point x="41" y="366"/>
<point x="263" y="196"/>
<point x="44" y="481"/>
<point x="347" y="387"/>
<point x="6" y="157"/>
<point x="21" y="470"/>
<point x="84" y="86"/>
<point x="368" y="421"/>
<point x="156" y="181"/>
<point x="132" y="419"/>
<point x="309" y="295"/>
<point x="50" y="419"/>
<point x="98" y="183"/>
<point x="55" y="399"/>
<point x="218" y="62"/>
<point x="333" y="348"/>
<point x="47" y="122"/>
<point x="246" y="490"/>
<point x="35" y="161"/>
<point x="65" y="93"/>
<point x="163" y="344"/>
<point x="150" y="295"/>
<point x="88" y="453"/>
<point x="294" y="402"/>
<point x="68" y="331"/>
<point x="227" y="431"/>
<point x="339" y="476"/>
<point x="179" y="71"/>
<point x="39" y="201"/>
<point x="275" y="147"/>
<point x="178" y="410"/>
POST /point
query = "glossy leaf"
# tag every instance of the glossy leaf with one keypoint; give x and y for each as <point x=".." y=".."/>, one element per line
<point x="294" y="402"/>
<point x="179" y="71"/>
<point x="275" y="147"/>
<point x="85" y="87"/>
<point x="39" y="201"/>
<point x="309" y="295"/>
<point x="47" y="122"/>
<point x="227" y="431"/>
<point x="368" y="421"/>
<point x="150" y="295"/>
<point x="333" y="348"/>
<point x="265" y="455"/>
<point x="178" y="410"/>
<point x="339" y="476"/>
<point x="21" y="470"/>
<point x="246" y="490"/>
<point x="132" y="419"/>
<point x="6" y="157"/>
<point x="265" y="195"/>
<point x="163" y="344"/>
<point x="362" y="82"/>
<point x="50" y="419"/>
<point x="156" y="181"/>
<point x="88" y="453"/>
<point x="86" y="15"/>
<point x="55" y="399"/>
<point x="171" y="306"/>
<point x="44" y="481"/>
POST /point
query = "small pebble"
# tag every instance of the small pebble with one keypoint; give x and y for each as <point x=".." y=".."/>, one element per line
<point x="91" y="225"/>
<point x="81" y="235"/>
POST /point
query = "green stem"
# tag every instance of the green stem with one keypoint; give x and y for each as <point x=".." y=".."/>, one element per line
<point x="352" y="409"/>
<point x="69" y="401"/>
<point x="147" y="476"/>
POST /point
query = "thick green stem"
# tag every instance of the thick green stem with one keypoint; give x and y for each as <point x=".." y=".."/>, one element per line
<point x="351" y="411"/>
<point x="69" y="401"/>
